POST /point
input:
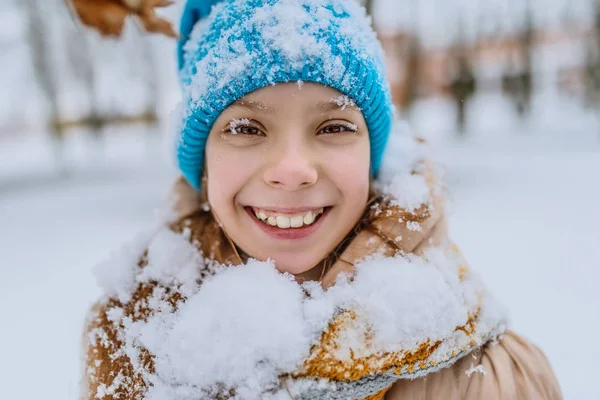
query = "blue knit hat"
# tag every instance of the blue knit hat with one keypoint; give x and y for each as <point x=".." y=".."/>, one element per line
<point x="230" y="48"/>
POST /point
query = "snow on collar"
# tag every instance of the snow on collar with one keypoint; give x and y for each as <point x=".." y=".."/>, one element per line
<point x="256" y="330"/>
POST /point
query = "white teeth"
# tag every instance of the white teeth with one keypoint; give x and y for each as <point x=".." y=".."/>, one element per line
<point x="297" y="222"/>
<point x="285" y="221"/>
<point x="309" y="218"/>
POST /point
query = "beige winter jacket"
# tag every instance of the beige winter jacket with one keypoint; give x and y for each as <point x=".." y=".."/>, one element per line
<point x="513" y="369"/>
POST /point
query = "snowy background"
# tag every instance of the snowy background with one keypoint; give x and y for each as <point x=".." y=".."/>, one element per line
<point x="523" y="199"/>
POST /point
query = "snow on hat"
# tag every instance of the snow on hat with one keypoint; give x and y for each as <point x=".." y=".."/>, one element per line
<point x="230" y="48"/>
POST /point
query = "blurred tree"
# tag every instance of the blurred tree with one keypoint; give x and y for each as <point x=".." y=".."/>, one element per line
<point x="37" y="36"/>
<point x="151" y="82"/>
<point x="463" y="83"/>
<point x="85" y="82"/>
<point x="109" y="18"/>
<point x="414" y="53"/>
<point x="592" y="63"/>
<point x="517" y="82"/>
<point x="80" y="56"/>
<point x="413" y="68"/>
<point x="592" y="76"/>
<point x="369" y="6"/>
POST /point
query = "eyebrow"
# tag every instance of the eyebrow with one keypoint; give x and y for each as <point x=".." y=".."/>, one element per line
<point x="255" y="106"/>
<point x="332" y="105"/>
<point x="321" y="106"/>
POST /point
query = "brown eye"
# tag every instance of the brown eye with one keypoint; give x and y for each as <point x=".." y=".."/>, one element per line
<point x="243" y="127"/>
<point x="337" y="129"/>
<point x="247" y="130"/>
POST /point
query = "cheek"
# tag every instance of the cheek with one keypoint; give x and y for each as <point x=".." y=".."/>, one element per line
<point x="228" y="171"/>
<point x="350" y="172"/>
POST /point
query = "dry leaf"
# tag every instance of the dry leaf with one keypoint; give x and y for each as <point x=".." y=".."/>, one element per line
<point x="108" y="16"/>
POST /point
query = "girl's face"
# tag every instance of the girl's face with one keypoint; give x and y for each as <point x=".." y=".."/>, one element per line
<point x="288" y="173"/>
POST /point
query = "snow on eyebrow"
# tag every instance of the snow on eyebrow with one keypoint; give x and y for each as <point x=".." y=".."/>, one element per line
<point x="343" y="101"/>
<point x="325" y="107"/>
<point x="254" y="105"/>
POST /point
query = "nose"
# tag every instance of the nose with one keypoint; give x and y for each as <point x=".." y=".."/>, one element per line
<point x="292" y="168"/>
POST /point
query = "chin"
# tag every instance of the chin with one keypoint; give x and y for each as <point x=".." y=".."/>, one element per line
<point x="294" y="264"/>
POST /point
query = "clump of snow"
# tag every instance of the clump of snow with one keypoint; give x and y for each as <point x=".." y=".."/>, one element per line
<point x="405" y="300"/>
<point x="247" y="325"/>
<point x="167" y="212"/>
<point x="104" y="390"/>
<point x="172" y="261"/>
<point x="320" y="305"/>
<point x="490" y="309"/>
<point x="298" y="388"/>
<point x="397" y="178"/>
<point x="410" y="191"/>
<point x="480" y="368"/>
<point x="492" y="319"/>
<point x="414" y="226"/>
<point x="117" y="275"/>
<point x="464" y="283"/>
<point x="242" y="329"/>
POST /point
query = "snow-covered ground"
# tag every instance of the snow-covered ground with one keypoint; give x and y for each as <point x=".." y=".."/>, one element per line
<point x="528" y="221"/>
<point x="53" y="229"/>
<point x="526" y="216"/>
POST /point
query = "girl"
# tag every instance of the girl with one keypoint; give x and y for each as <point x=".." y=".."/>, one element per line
<point x="309" y="259"/>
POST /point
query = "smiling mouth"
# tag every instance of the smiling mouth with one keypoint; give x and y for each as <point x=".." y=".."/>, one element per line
<point x="286" y="225"/>
<point x="287" y="220"/>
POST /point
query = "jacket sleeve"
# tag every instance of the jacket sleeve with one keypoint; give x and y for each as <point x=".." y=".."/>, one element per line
<point x="107" y="371"/>
<point x="510" y="369"/>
